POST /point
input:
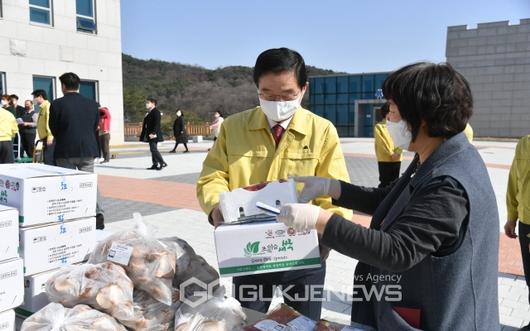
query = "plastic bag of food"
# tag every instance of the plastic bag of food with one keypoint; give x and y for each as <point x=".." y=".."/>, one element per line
<point x="324" y="325"/>
<point x="152" y="315"/>
<point x="200" y="323"/>
<point x="189" y="265"/>
<point x="55" y="317"/>
<point x="104" y="286"/>
<point x="217" y="308"/>
<point x="148" y="262"/>
<point x="283" y="317"/>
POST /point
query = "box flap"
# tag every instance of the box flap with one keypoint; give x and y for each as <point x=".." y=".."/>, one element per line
<point x="35" y="170"/>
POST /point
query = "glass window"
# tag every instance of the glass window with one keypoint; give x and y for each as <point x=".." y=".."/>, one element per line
<point x="331" y="113"/>
<point x="86" y="16"/>
<point x="379" y="79"/>
<point x="342" y="99"/>
<point x="342" y="112"/>
<point x="318" y="109"/>
<point x="40" y="11"/>
<point x="342" y="84"/>
<point x="368" y="87"/>
<point x="331" y="99"/>
<point x="355" y="84"/>
<point x="317" y="85"/>
<point x="331" y="85"/>
<point x="44" y="83"/>
<point x="3" y="88"/>
<point x="89" y="89"/>
<point x="1" y="11"/>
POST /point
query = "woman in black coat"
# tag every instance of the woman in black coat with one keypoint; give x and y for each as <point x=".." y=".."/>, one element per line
<point x="179" y="131"/>
<point x="152" y="134"/>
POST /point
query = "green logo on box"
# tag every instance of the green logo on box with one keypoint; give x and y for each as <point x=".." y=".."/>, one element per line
<point x="252" y="248"/>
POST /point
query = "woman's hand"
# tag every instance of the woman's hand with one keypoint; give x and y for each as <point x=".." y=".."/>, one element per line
<point x="303" y="217"/>
<point x="318" y="186"/>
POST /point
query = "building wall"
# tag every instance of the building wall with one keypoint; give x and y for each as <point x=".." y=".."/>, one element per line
<point x="347" y="101"/>
<point x="28" y="49"/>
<point x="495" y="58"/>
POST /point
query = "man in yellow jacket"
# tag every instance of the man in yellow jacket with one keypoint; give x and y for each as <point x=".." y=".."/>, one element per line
<point x="518" y="203"/>
<point x="388" y="156"/>
<point x="8" y="130"/>
<point x="43" y="126"/>
<point x="274" y="141"/>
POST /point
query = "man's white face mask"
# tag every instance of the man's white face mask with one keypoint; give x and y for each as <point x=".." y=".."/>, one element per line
<point x="279" y="111"/>
<point x="400" y="134"/>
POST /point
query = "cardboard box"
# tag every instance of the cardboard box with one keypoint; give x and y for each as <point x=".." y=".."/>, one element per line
<point x="241" y="202"/>
<point x="44" y="194"/>
<point x="8" y="233"/>
<point x="35" y="297"/>
<point x="52" y="246"/>
<point x="247" y="249"/>
<point x="7" y="320"/>
<point x="11" y="284"/>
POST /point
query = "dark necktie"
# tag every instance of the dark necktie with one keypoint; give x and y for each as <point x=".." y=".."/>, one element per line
<point x="277" y="132"/>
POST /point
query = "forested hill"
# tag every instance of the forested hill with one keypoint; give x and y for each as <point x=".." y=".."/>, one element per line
<point x="196" y="90"/>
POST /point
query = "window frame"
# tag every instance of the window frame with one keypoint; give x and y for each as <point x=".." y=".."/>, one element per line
<point x="54" y="87"/>
<point x="93" y="18"/>
<point x="50" y="12"/>
<point x="1" y="9"/>
<point x="96" y="86"/>
<point x="3" y="82"/>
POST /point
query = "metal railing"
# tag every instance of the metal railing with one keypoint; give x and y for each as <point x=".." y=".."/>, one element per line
<point x="193" y="129"/>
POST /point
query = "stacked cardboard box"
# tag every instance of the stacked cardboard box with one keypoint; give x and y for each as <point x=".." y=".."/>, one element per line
<point x="56" y="214"/>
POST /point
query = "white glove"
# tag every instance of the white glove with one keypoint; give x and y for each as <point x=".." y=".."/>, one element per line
<point x="300" y="216"/>
<point x="317" y="186"/>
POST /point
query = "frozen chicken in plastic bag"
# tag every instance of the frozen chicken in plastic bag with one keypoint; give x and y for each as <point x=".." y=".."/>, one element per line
<point x="104" y="286"/>
<point x="148" y="262"/>
<point x="200" y="323"/>
<point x="55" y="317"/>
<point x="218" y="308"/>
<point x="150" y="314"/>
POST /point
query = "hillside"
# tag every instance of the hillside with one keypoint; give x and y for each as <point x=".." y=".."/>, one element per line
<point x="197" y="91"/>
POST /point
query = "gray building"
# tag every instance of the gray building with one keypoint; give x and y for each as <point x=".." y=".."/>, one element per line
<point x="495" y="58"/>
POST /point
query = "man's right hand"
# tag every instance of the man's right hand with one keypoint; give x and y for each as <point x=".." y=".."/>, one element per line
<point x="49" y="140"/>
<point x="217" y="217"/>
<point x="509" y="229"/>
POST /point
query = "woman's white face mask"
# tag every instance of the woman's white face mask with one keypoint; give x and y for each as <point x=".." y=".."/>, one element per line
<point x="400" y="134"/>
<point x="279" y="111"/>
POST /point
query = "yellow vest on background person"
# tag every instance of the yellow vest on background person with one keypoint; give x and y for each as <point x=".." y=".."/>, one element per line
<point x="518" y="195"/>
<point x="384" y="146"/>
<point x="245" y="154"/>
<point x="468" y="131"/>
<point x="43" y="126"/>
<point x="8" y="125"/>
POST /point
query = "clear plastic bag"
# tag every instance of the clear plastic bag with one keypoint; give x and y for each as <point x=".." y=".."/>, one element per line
<point x="200" y="323"/>
<point x="218" y="308"/>
<point x="151" y="265"/>
<point x="104" y="286"/>
<point x="149" y="314"/>
<point x="55" y="317"/>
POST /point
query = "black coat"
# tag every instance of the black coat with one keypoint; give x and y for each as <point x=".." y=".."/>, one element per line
<point x="74" y="121"/>
<point x="179" y="130"/>
<point x="151" y="125"/>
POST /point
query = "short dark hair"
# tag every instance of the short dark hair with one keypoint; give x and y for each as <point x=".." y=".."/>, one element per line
<point x="434" y="93"/>
<point x="13" y="96"/>
<point x="181" y="112"/>
<point x="5" y="96"/>
<point x="152" y="100"/>
<point x="277" y="60"/>
<point x="39" y="93"/>
<point x="385" y="109"/>
<point x="70" y="80"/>
<point x="219" y="112"/>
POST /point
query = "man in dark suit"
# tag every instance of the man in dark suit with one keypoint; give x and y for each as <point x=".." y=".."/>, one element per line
<point x="152" y="134"/>
<point x="74" y="121"/>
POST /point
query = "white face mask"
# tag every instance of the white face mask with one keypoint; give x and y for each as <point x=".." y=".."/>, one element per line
<point x="279" y="111"/>
<point x="400" y="134"/>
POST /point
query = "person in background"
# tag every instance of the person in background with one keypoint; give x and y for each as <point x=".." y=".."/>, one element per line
<point x="388" y="156"/>
<point x="218" y="119"/>
<point x="27" y="126"/>
<point x="14" y="107"/>
<point x="276" y="140"/>
<point x="8" y="130"/>
<point x="43" y="126"/>
<point x="518" y="204"/>
<point x="468" y="131"/>
<point x="104" y="133"/>
<point x="152" y="134"/>
<point x="74" y="120"/>
<point x="179" y="131"/>
<point x="434" y="232"/>
<point x="5" y="101"/>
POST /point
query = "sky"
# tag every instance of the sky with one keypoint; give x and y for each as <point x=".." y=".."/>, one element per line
<point x="343" y="35"/>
